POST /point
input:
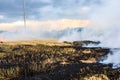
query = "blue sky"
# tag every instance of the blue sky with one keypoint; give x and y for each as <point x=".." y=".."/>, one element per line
<point x="12" y="10"/>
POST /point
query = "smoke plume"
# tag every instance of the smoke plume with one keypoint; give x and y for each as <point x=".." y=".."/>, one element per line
<point x="52" y="29"/>
<point x="104" y="27"/>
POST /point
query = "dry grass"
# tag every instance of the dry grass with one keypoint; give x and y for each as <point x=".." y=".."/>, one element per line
<point x="91" y="60"/>
<point x="97" y="77"/>
<point x="21" y="59"/>
<point x="35" y="42"/>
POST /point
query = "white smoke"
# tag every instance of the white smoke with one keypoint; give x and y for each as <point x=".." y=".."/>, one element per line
<point x="104" y="27"/>
<point x="113" y="58"/>
<point x="51" y="29"/>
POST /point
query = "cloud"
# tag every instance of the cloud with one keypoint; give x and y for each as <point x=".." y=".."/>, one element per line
<point x="44" y="1"/>
<point x="1" y="17"/>
<point x="47" y="9"/>
<point x="46" y="25"/>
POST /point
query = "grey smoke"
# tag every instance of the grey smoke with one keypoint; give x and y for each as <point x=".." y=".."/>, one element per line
<point x="29" y="34"/>
<point x="104" y="27"/>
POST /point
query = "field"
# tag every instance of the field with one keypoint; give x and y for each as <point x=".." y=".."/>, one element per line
<point x="52" y="60"/>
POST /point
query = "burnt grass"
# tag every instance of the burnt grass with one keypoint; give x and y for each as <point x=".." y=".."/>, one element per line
<point x="41" y="62"/>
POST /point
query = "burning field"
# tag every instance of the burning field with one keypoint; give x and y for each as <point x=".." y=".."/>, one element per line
<point x="87" y="34"/>
<point x="52" y="60"/>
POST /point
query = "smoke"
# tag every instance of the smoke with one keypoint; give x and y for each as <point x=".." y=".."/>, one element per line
<point x="104" y="27"/>
<point x="113" y="58"/>
<point x="52" y="29"/>
<point x="106" y="20"/>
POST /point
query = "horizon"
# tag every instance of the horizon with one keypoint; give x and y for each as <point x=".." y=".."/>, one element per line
<point x="38" y="11"/>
